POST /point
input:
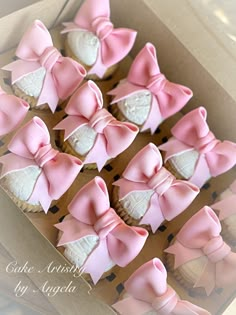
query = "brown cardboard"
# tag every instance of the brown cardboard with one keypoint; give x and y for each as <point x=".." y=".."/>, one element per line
<point x="25" y="242"/>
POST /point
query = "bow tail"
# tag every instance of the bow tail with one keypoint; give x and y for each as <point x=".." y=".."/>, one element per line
<point x="98" y="153"/>
<point x="98" y="68"/>
<point x="226" y="207"/>
<point x="101" y="254"/>
<point x="153" y="215"/>
<point x="21" y="68"/>
<point x="173" y="147"/>
<point x="70" y="27"/>
<point x="154" y="117"/>
<point x="201" y="172"/>
<point x="207" y="278"/>
<point x="13" y="163"/>
<point x="132" y="306"/>
<point x="48" y="93"/>
<point x="41" y="193"/>
<point x="187" y="308"/>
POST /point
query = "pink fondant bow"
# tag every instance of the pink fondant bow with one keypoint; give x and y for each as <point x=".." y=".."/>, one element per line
<point x="115" y="44"/>
<point x="91" y="215"/>
<point x="200" y="236"/>
<point x="31" y="147"/>
<point x="227" y="206"/>
<point x="113" y="136"/>
<point x="12" y="111"/>
<point x="192" y="132"/>
<point x="148" y="292"/>
<point x="63" y="75"/>
<point x="170" y="196"/>
<point x="144" y="75"/>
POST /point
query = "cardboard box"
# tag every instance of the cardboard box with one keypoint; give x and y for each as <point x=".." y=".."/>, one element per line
<point x="180" y="38"/>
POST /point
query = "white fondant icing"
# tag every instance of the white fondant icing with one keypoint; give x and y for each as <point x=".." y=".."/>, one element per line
<point x="32" y="83"/>
<point x="84" y="45"/>
<point x="136" y="107"/>
<point x="21" y="183"/>
<point x="78" y="251"/>
<point x="184" y="163"/>
<point x="83" y="139"/>
<point x="193" y="269"/>
<point x="136" y="203"/>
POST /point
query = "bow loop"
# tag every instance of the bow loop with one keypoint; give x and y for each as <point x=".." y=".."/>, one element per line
<point x="49" y="58"/>
<point x="156" y="83"/>
<point x="161" y="181"/>
<point x="106" y="223"/>
<point x="166" y="303"/>
<point x="45" y="154"/>
<point x="216" y="249"/>
<point x="102" y="27"/>
<point x="100" y="120"/>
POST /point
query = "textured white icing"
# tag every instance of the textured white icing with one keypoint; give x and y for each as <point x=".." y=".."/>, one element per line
<point x="82" y="140"/>
<point x="193" y="269"/>
<point x="78" y="251"/>
<point x="32" y="83"/>
<point x="21" y="183"/>
<point x="84" y="45"/>
<point x="136" y="107"/>
<point x="184" y="163"/>
<point x="136" y="203"/>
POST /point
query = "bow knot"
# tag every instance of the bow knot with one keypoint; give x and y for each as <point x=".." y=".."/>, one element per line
<point x="207" y="143"/>
<point x="216" y="249"/>
<point x="49" y="57"/>
<point x="100" y="120"/>
<point x="161" y="181"/>
<point x="103" y="27"/>
<point x="156" y="83"/>
<point x="45" y="154"/>
<point x="166" y="303"/>
<point x="106" y="223"/>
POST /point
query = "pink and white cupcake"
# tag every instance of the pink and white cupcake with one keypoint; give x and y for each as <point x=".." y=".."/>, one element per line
<point x="41" y="76"/>
<point x="90" y="132"/>
<point x="93" y="41"/>
<point x="202" y="260"/>
<point x="34" y="174"/>
<point x="94" y="237"/>
<point x="194" y="153"/>
<point x="226" y="207"/>
<point x="146" y="97"/>
<point x="147" y="293"/>
<point x="13" y="110"/>
<point x="148" y="194"/>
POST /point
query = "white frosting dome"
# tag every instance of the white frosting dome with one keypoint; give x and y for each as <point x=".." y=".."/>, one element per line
<point x="32" y="83"/>
<point x="84" y="45"/>
<point x="82" y="140"/>
<point x="136" y="107"/>
<point x="136" y="203"/>
<point x="184" y="163"/>
<point x="193" y="269"/>
<point x="21" y="183"/>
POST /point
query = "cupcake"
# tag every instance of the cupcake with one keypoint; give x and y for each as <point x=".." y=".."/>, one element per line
<point x="147" y="293"/>
<point x="90" y="131"/>
<point x="146" y="97"/>
<point x="226" y="206"/>
<point x="193" y="153"/>
<point x="34" y="174"/>
<point x="41" y="76"/>
<point x="12" y="112"/>
<point x="93" y="41"/>
<point x="94" y="237"/>
<point x="148" y="194"/>
<point x="202" y="260"/>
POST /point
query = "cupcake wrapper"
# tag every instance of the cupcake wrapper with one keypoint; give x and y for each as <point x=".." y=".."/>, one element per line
<point x="179" y="277"/>
<point x="110" y="71"/>
<point x="122" y="212"/>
